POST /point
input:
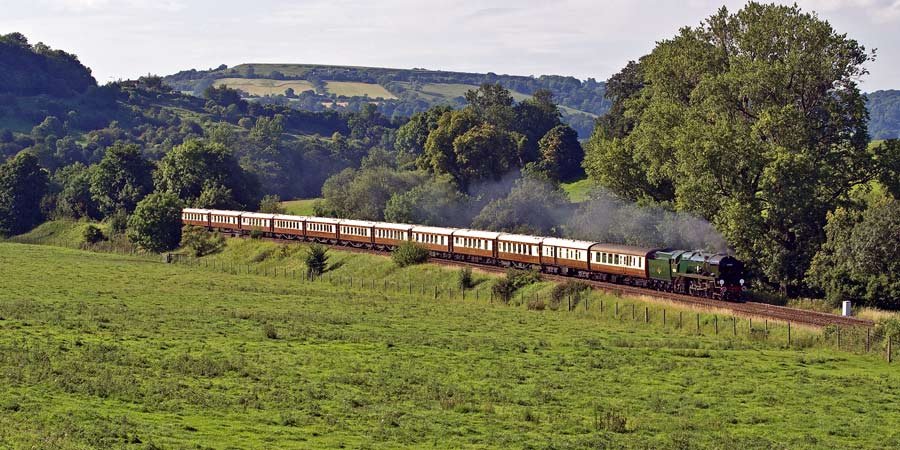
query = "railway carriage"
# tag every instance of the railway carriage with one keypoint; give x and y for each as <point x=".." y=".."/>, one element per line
<point x="614" y="261"/>
<point x="474" y="245"/>
<point x="519" y="250"/>
<point x="358" y="233"/>
<point x="257" y="222"/>
<point x="566" y="256"/>
<point x="227" y="221"/>
<point x="195" y="217"/>
<point x="390" y="235"/>
<point x="435" y="239"/>
<point x="322" y="229"/>
<point x="289" y="227"/>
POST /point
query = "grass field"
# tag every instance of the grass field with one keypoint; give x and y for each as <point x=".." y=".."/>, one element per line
<point x="300" y="207"/>
<point x="353" y="89"/>
<point x="578" y="190"/>
<point x="261" y="86"/>
<point x="103" y="350"/>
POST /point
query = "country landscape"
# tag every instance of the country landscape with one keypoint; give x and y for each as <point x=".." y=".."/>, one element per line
<point x="696" y="250"/>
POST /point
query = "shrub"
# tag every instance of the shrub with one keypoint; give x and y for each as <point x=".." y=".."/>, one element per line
<point x="613" y="422"/>
<point x="118" y="221"/>
<point x="464" y="277"/>
<point x="270" y="331"/>
<point x="92" y="234"/>
<point x="573" y="289"/>
<point x="316" y="259"/>
<point x="408" y="253"/>
<point x="504" y="288"/>
<point x="200" y="240"/>
<point x="536" y="305"/>
<point x="271" y="204"/>
<point x="256" y="234"/>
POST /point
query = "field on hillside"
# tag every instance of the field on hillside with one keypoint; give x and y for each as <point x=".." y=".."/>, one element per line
<point x="104" y="350"/>
<point x="578" y="191"/>
<point x="353" y="89"/>
<point x="300" y="207"/>
<point x="262" y="86"/>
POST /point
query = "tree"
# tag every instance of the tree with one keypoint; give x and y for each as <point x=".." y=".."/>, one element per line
<point x="22" y="186"/>
<point x="74" y="199"/>
<point x="858" y="261"/>
<point x="190" y="168"/>
<point x="363" y="194"/>
<point x="121" y="179"/>
<point x="752" y="120"/>
<point x="271" y="204"/>
<point x="561" y="154"/>
<point x="411" y="137"/>
<point x="533" y="206"/>
<point x="436" y="202"/>
<point x="156" y="222"/>
<point x="492" y="104"/>
<point x="534" y="118"/>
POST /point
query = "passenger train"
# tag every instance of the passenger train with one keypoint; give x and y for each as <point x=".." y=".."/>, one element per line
<point x="697" y="273"/>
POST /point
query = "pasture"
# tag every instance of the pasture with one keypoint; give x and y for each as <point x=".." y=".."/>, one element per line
<point x="300" y="207"/>
<point x="106" y="350"/>
<point x="263" y="87"/>
<point x="355" y="89"/>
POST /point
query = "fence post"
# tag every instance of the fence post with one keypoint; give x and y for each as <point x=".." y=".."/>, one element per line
<point x="679" y="319"/>
<point x="632" y="311"/>
<point x="838" y="338"/>
<point x="698" y="323"/>
<point x="646" y="314"/>
<point x="435" y="292"/>
<point x="867" y="340"/>
<point x="789" y="334"/>
<point x="664" y="317"/>
<point x="617" y="309"/>
<point x="601" y="307"/>
<point x="734" y="326"/>
<point x="750" y="325"/>
<point x="890" y="339"/>
<point x="716" y="320"/>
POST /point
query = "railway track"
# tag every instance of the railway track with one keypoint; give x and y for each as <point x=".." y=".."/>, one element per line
<point x="744" y="309"/>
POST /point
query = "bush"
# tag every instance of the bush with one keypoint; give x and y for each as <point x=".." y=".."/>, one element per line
<point x="270" y="331"/>
<point x="465" y="278"/>
<point x="572" y="289"/>
<point x="504" y="288"/>
<point x="256" y="234"/>
<point x="316" y="259"/>
<point x="92" y="234"/>
<point x="200" y="240"/>
<point x="271" y="204"/>
<point x="536" y="305"/>
<point x="408" y="253"/>
<point x="118" y="221"/>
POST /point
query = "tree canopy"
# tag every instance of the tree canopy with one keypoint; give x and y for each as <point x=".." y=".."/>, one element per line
<point x="195" y="167"/>
<point x="753" y="120"/>
<point x="22" y="186"/>
<point x="121" y="179"/>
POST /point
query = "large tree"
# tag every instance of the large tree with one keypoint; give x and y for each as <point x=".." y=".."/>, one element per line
<point x="121" y="179"/>
<point x="194" y="167"/>
<point x="753" y="120"/>
<point x="22" y="185"/>
<point x="156" y="222"/>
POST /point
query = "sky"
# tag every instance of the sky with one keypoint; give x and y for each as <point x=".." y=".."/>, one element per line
<point x="121" y="39"/>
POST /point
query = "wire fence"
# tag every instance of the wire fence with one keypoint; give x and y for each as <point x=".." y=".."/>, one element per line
<point x="861" y="340"/>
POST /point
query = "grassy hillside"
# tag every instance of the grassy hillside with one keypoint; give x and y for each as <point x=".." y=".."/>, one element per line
<point x="578" y="190"/>
<point x="355" y="89"/>
<point x="128" y="353"/>
<point x="262" y="87"/>
<point x="301" y="207"/>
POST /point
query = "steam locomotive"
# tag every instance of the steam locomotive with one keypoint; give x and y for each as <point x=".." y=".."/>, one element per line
<point x="697" y="273"/>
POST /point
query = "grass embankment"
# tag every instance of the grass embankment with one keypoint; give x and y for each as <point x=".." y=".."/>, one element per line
<point x="300" y="207"/>
<point x="578" y="191"/>
<point x="101" y="350"/>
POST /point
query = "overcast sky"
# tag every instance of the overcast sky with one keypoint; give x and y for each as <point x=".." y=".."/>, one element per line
<point x="582" y="38"/>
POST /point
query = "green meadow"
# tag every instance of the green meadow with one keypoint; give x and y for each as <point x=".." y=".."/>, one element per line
<point x="103" y="350"/>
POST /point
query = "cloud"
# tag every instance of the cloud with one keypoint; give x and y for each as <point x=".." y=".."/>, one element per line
<point x="122" y="5"/>
<point x="878" y="11"/>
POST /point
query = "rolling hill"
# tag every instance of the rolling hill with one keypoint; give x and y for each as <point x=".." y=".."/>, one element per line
<point x="399" y="92"/>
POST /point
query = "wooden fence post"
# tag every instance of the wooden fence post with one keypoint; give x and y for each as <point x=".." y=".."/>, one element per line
<point x="632" y="311"/>
<point x="435" y="292"/>
<point x="716" y="320"/>
<point x="867" y="340"/>
<point x="838" y="338"/>
<point x="750" y="325"/>
<point x="734" y="326"/>
<point x="646" y="314"/>
<point x="789" y="334"/>
<point x="889" y="356"/>
<point x="698" y="323"/>
<point x="617" y="309"/>
<point x="664" y="317"/>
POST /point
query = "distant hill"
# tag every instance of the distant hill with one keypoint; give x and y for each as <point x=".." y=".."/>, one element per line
<point x="884" y="114"/>
<point x="398" y="92"/>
